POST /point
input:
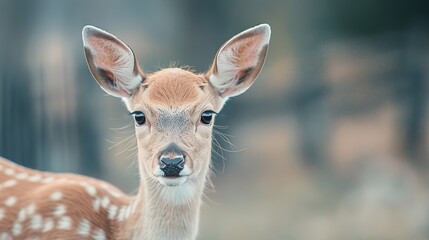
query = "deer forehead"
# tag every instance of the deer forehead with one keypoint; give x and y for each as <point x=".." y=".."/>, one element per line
<point x="172" y="122"/>
<point x="172" y="87"/>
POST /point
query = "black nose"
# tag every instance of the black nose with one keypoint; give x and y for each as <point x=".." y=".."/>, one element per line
<point x="172" y="161"/>
<point x="172" y="166"/>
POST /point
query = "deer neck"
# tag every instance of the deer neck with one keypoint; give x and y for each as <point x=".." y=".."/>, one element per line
<point x="163" y="212"/>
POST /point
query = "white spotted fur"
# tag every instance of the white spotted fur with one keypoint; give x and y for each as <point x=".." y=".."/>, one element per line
<point x="155" y="211"/>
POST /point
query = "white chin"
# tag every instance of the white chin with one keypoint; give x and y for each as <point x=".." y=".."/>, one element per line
<point x="177" y="191"/>
<point x="172" y="182"/>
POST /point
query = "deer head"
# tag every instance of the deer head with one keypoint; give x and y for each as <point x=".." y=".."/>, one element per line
<point x="174" y="109"/>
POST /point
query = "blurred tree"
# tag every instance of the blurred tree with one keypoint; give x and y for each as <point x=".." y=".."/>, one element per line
<point x="17" y="129"/>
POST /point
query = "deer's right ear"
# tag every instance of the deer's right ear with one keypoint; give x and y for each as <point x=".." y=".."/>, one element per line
<point x="112" y="62"/>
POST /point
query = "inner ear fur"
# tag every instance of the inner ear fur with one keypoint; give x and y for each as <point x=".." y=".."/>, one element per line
<point x="239" y="61"/>
<point x="111" y="62"/>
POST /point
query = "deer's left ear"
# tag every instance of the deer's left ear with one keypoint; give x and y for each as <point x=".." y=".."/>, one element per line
<point x="239" y="61"/>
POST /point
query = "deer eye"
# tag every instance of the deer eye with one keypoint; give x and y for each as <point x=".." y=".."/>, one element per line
<point x="207" y="117"/>
<point x="139" y="118"/>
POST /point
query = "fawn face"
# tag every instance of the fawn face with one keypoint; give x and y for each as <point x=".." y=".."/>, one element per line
<point x="174" y="112"/>
<point x="174" y="109"/>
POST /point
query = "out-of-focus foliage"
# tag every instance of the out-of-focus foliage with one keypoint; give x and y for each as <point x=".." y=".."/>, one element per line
<point x="331" y="142"/>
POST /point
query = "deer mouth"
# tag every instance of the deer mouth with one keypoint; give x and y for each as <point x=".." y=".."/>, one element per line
<point x="172" y="181"/>
<point x="172" y="177"/>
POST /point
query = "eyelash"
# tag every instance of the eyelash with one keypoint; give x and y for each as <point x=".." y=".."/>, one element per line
<point x="207" y="117"/>
<point x="139" y="118"/>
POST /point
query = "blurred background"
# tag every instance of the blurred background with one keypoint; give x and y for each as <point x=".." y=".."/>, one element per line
<point x="331" y="142"/>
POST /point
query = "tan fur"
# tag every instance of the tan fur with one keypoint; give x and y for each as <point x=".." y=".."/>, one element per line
<point x="73" y="192"/>
<point x="174" y="86"/>
<point x="41" y="205"/>
<point x="173" y="90"/>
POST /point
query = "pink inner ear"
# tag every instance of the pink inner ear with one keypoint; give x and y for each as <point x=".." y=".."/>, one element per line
<point x="245" y="51"/>
<point x="107" y="54"/>
<point x="109" y="74"/>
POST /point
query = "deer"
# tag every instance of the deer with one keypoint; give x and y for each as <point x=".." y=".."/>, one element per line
<point x="174" y="111"/>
